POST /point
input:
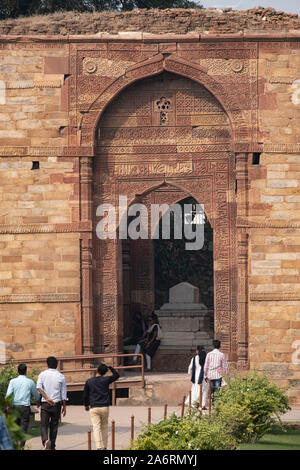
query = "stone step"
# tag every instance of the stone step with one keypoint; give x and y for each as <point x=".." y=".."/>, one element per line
<point x="169" y="388"/>
<point x="160" y="389"/>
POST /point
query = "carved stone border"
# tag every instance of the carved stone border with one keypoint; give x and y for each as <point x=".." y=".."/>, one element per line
<point x="38" y="298"/>
<point x="274" y="296"/>
<point x="85" y="226"/>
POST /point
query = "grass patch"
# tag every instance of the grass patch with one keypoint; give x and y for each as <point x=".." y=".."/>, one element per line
<point x="277" y="439"/>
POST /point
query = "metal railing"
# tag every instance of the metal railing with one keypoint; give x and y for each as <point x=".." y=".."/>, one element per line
<point x="86" y="363"/>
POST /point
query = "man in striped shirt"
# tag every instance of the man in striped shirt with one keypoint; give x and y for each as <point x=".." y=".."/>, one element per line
<point x="214" y="366"/>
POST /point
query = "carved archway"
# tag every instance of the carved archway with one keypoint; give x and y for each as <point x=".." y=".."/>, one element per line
<point x="208" y="176"/>
<point x="148" y="68"/>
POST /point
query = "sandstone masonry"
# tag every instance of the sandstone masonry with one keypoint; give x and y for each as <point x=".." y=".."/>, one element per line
<point x="78" y="126"/>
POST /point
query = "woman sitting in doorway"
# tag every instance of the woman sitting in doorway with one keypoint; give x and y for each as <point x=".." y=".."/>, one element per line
<point x="138" y="329"/>
<point x="151" y="340"/>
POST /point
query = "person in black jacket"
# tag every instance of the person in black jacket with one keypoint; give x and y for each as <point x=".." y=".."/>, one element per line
<point x="96" y="400"/>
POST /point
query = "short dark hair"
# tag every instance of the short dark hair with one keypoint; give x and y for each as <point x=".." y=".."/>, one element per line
<point x="52" y="362"/>
<point x="155" y="317"/>
<point x="102" y="369"/>
<point x="22" y="369"/>
<point x="217" y="343"/>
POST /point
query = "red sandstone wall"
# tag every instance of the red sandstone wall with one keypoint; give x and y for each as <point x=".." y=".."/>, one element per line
<point x="37" y="209"/>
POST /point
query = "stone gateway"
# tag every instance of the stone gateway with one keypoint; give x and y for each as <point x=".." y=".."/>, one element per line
<point x="159" y="118"/>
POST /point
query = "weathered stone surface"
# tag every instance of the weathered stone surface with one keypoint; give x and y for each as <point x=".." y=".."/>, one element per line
<point x="129" y="25"/>
<point x="60" y="288"/>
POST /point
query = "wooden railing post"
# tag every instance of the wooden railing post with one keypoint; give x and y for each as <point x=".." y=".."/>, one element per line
<point x="149" y="415"/>
<point x="89" y="440"/>
<point x="112" y="435"/>
<point x="200" y="399"/>
<point x="165" y="411"/>
<point x="182" y="407"/>
<point x="113" y="397"/>
<point x="143" y="370"/>
<point x="132" y="430"/>
<point x="210" y="397"/>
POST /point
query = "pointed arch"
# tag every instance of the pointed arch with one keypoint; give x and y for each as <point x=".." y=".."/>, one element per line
<point x="154" y="66"/>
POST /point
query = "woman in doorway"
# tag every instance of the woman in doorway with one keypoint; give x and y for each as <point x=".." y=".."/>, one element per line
<point x="138" y="330"/>
<point x="196" y="370"/>
<point x="151" y="341"/>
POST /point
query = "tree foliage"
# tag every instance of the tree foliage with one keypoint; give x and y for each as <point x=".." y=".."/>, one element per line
<point x="17" y="8"/>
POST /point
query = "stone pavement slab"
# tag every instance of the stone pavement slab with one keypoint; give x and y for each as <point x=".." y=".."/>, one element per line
<point x="74" y="434"/>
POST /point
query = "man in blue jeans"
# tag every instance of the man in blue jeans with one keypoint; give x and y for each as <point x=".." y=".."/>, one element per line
<point x="214" y="366"/>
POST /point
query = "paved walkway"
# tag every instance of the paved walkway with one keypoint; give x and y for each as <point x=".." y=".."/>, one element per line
<point x="74" y="435"/>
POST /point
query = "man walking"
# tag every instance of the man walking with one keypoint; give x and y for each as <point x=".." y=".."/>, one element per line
<point x="214" y="366"/>
<point x="96" y="399"/>
<point x="52" y="386"/>
<point x="21" y="389"/>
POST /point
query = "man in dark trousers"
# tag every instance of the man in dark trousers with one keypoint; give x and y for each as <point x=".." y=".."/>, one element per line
<point x="52" y="386"/>
<point x="96" y="400"/>
<point x="22" y="388"/>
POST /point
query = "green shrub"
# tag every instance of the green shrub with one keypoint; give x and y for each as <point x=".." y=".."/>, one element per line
<point x="244" y="411"/>
<point x="259" y="402"/>
<point x="10" y="416"/>
<point x="10" y="371"/>
<point x="236" y="418"/>
<point x="189" y="433"/>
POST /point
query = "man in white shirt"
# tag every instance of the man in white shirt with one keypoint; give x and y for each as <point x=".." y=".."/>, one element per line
<point x="214" y="366"/>
<point x="52" y="386"/>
